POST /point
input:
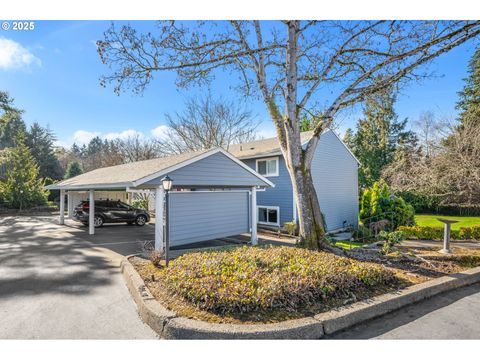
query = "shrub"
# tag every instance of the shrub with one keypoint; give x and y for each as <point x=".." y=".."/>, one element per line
<point x="428" y="232"/>
<point x="470" y="233"/>
<point x="140" y="204"/>
<point x="362" y="233"/>
<point x="155" y="257"/>
<point x="391" y="240"/>
<point x="291" y="228"/>
<point x="379" y="203"/>
<point x="250" y="279"/>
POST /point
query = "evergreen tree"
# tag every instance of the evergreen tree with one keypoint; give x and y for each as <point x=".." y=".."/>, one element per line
<point x="21" y="188"/>
<point x="40" y="141"/>
<point x="11" y="124"/>
<point x="73" y="169"/>
<point x="469" y="102"/>
<point x="379" y="135"/>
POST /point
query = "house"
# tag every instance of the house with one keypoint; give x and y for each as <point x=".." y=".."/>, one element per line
<point x="213" y="194"/>
<point x="334" y="172"/>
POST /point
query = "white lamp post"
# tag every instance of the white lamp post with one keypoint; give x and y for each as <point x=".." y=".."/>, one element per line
<point x="167" y="186"/>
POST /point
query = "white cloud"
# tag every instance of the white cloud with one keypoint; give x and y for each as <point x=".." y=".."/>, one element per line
<point x="122" y="135"/>
<point x="160" y="132"/>
<point x="81" y="137"/>
<point x="15" y="56"/>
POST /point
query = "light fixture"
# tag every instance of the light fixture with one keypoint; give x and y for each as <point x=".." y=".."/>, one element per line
<point x="167" y="183"/>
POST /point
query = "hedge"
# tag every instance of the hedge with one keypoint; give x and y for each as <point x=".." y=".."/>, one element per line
<point x="436" y="233"/>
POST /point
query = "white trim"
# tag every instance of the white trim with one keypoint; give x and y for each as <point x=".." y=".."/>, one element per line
<point x="276" y="173"/>
<point x="208" y="191"/>
<point x="195" y="159"/>
<point x="88" y="187"/>
<point x="254" y="215"/>
<point x="269" y="208"/>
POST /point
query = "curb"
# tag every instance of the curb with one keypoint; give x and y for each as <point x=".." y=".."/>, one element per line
<point x="170" y="326"/>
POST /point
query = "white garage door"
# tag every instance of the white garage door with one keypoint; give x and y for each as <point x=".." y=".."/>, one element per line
<point x="197" y="216"/>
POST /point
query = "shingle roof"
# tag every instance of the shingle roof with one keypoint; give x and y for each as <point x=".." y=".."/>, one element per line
<point x="263" y="147"/>
<point x="125" y="174"/>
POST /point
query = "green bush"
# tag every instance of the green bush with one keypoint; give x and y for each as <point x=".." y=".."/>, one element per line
<point x="427" y="232"/>
<point x="291" y="228"/>
<point x="391" y="240"/>
<point x="470" y="233"/>
<point x="140" y="204"/>
<point x="379" y="203"/>
<point x="251" y="279"/>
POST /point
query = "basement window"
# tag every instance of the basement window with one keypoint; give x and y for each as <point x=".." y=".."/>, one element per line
<point x="269" y="215"/>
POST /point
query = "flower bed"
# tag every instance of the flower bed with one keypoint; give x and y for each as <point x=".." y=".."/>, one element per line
<point x="258" y="284"/>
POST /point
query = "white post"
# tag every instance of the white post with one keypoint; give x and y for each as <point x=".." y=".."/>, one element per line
<point x="254" y="238"/>
<point x="69" y="205"/>
<point x="91" y="212"/>
<point x="62" y="207"/>
<point x="159" y="245"/>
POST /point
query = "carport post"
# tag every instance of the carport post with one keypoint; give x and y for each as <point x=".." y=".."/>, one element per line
<point x="62" y="207"/>
<point x="91" y="212"/>
<point x="254" y="238"/>
<point x="69" y="205"/>
<point x="159" y="219"/>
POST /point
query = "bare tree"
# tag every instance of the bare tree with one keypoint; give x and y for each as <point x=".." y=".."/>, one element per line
<point x="429" y="132"/>
<point x="136" y="148"/>
<point x="288" y="64"/>
<point x="206" y="123"/>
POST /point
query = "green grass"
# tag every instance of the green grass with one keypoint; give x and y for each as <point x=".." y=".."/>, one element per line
<point x="431" y="220"/>
<point x="345" y="244"/>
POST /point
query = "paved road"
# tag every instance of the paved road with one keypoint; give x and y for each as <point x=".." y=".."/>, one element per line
<point x="454" y="315"/>
<point x="57" y="283"/>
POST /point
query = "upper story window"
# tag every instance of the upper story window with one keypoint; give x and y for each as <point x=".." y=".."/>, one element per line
<point x="268" y="167"/>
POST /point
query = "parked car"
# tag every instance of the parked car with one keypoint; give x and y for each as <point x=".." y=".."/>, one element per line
<point x="111" y="211"/>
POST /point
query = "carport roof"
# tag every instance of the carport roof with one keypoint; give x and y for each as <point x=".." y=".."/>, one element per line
<point x="139" y="172"/>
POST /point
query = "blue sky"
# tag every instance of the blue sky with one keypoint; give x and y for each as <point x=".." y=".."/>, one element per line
<point x="53" y="73"/>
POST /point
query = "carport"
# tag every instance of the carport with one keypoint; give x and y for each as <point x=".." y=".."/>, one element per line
<point x="213" y="194"/>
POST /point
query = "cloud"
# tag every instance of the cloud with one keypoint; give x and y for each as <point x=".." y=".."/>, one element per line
<point x="15" y="56"/>
<point x="81" y="137"/>
<point x="160" y="132"/>
<point x="122" y="135"/>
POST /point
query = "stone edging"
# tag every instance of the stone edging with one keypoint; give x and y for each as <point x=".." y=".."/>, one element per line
<point x="170" y="326"/>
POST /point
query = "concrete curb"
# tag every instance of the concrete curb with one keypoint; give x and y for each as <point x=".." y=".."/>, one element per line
<point x="170" y="326"/>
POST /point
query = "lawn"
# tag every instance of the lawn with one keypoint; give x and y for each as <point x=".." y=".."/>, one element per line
<point x="345" y="244"/>
<point x="431" y="220"/>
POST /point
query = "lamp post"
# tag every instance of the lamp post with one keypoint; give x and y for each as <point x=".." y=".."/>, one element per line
<point x="167" y="186"/>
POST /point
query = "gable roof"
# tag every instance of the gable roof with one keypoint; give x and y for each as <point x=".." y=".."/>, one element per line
<point x="271" y="146"/>
<point x="264" y="147"/>
<point x="136" y="173"/>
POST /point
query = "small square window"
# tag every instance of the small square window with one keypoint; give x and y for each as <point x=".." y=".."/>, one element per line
<point x="268" y="215"/>
<point x="268" y="167"/>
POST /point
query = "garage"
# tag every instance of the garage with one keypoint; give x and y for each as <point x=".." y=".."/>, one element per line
<point x="210" y="194"/>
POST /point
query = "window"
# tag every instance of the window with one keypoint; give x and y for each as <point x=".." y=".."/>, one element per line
<point x="268" y="167"/>
<point x="269" y="215"/>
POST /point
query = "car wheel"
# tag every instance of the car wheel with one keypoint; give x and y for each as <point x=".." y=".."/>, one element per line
<point x="98" y="221"/>
<point x="141" y="220"/>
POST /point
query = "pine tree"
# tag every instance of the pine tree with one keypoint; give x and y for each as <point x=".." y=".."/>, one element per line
<point x="21" y="188"/>
<point x="379" y="135"/>
<point x="73" y="169"/>
<point x="469" y="102"/>
<point x="40" y="141"/>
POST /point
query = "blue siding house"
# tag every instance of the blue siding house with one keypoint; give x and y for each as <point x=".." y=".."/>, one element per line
<point x="334" y="172"/>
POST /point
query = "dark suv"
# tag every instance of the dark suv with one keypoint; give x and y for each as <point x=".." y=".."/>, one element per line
<point x="111" y="211"/>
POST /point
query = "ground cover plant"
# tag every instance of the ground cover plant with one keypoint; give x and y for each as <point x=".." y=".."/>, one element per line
<point x="265" y="283"/>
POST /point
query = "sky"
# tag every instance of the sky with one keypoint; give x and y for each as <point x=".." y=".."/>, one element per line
<point x="53" y="73"/>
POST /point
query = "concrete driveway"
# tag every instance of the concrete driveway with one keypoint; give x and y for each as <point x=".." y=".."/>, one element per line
<point x="57" y="282"/>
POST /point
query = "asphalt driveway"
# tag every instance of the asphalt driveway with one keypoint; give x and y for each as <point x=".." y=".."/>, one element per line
<point x="57" y="282"/>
